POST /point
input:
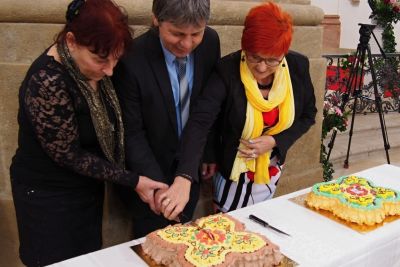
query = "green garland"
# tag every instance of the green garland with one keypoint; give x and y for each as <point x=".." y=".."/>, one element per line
<point x="385" y="14"/>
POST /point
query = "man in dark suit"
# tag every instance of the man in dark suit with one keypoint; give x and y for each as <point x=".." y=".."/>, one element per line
<point x="150" y="80"/>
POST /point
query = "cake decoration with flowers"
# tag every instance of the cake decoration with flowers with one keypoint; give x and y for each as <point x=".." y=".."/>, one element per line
<point x="217" y="240"/>
<point x="355" y="199"/>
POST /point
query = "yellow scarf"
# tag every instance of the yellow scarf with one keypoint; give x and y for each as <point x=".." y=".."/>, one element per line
<point x="281" y="96"/>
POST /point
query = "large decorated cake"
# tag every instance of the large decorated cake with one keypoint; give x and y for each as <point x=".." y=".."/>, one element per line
<point x="217" y="240"/>
<point x="355" y="199"/>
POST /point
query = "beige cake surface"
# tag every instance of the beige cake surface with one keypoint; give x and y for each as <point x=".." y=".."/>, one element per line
<point x="217" y="240"/>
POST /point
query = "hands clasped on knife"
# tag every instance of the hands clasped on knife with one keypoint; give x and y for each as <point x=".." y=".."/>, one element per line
<point x="171" y="201"/>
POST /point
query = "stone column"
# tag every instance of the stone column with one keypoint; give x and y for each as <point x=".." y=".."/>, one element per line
<point x="331" y="36"/>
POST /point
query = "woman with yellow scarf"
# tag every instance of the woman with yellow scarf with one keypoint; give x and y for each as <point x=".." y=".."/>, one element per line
<point x="262" y="100"/>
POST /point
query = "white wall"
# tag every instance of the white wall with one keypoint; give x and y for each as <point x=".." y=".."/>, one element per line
<point x="351" y="13"/>
<point x="330" y="7"/>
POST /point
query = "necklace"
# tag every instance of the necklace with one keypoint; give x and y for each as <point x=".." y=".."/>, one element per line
<point x="264" y="86"/>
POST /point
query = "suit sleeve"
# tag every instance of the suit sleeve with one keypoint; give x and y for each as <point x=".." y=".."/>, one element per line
<point x="305" y="119"/>
<point x="205" y="112"/>
<point x="139" y="155"/>
<point x="210" y="150"/>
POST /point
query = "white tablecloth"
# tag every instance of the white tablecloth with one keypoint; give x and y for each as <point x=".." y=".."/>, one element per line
<point x="315" y="240"/>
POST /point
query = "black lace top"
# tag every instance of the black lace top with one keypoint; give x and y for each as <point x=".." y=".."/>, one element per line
<point x="57" y="143"/>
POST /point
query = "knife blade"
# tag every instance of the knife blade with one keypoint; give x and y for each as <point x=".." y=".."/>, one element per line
<point x="265" y="224"/>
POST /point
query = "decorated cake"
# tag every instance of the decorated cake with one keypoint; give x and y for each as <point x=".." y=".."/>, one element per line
<point x="217" y="240"/>
<point x="355" y="199"/>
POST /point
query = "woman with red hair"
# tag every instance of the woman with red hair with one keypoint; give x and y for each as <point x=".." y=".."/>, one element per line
<point x="71" y="137"/>
<point x="264" y="100"/>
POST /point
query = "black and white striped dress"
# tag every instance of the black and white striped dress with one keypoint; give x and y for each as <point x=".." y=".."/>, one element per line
<point x="230" y="195"/>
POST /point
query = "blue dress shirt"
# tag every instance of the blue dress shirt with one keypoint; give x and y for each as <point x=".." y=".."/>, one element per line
<point x="173" y="77"/>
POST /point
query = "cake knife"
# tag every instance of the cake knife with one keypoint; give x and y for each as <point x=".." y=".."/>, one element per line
<point x="265" y="224"/>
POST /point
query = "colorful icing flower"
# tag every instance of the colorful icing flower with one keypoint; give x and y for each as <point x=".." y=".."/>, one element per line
<point x="366" y="200"/>
<point x="384" y="193"/>
<point x="210" y="237"/>
<point x="206" y="252"/>
<point x="177" y="232"/>
<point x="351" y="180"/>
<point x="356" y="189"/>
<point x="331" y="188"/>
<point x="247" y="239"/>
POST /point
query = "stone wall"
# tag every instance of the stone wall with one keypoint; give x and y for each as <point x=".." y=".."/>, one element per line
<point x="28" y="27"/>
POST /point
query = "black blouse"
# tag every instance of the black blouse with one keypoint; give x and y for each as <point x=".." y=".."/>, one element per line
<point x="57" y="143"/>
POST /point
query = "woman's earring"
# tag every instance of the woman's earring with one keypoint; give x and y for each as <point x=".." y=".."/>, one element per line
<point x="283" y="65"/>
<point x="242" y="58"/>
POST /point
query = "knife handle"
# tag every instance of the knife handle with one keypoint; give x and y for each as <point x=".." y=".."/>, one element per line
<point x="258" y="220"/>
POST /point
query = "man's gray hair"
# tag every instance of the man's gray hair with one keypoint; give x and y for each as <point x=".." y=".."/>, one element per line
<point x="181" y="12"/>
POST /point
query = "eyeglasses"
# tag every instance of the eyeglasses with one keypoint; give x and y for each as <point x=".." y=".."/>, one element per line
<point x="271" y="62"/>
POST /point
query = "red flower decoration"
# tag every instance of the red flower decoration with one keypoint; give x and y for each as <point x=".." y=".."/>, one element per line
<point x="206" y="236"/>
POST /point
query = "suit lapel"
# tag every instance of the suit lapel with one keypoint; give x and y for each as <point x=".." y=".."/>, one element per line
<point x="160" y="72"/>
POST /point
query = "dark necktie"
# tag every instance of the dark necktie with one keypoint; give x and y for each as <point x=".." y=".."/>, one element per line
<point x="184" y="94"/>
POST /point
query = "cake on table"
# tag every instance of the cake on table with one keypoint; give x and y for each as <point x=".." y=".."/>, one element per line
<point x="216" y="240"/>
<point x="355" y="199"/>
